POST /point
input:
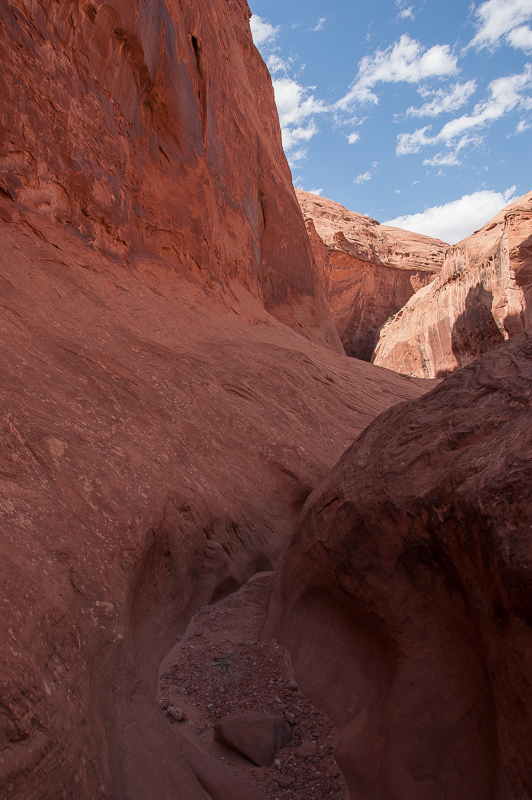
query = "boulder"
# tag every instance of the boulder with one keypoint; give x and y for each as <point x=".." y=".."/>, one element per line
<point x="482" y="297"/>
<point x="255" y="735"/>
<point x="369" y="270"/>
<point x="405" y="596"/>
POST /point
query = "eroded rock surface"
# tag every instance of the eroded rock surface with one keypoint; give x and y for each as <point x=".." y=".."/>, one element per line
<point x="481" y="298"/>
<point x="150" y="129"/>
<point x="369" y="270"/>
<point x="405" y="597"/>
<point x="159" y="428"/>
<point x="156" y="447"/>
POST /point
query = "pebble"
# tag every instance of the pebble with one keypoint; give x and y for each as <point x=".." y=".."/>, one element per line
<point x="176" y="713"/>
<point x="307" y="749"/>
<point x="284" y="781"/>
<point x="293" y="685"/>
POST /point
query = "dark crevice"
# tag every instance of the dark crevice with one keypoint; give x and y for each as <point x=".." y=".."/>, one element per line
<point x="202" y="83"/>
<point x="6" y="194"/>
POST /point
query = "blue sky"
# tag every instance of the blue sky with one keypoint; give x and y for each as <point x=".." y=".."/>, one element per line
<point x="414" y="112"/>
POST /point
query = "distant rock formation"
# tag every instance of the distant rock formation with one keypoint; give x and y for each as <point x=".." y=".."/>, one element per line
<point x="160" y="425"/>
<point x="369" y="270"/>
<point x="482" y="297"/>
<point x="405" y="596"/>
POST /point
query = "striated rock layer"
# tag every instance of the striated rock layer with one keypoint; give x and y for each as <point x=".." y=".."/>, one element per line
<point x="405" y="596"/>
<point x="481" y="298"/>
<point x="159" y="428"/>
<point x="369" y="270"/>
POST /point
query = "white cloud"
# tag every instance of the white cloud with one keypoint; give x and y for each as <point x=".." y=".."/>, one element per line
<point x="413" y="142"/>
<point x="442" y="160"/>
<point x="454" y="221"/>
<point x="295" y="157"/>
<point x="521" y="38"/>
<point x="277" y="64"/>
<point x="363" y="177"/>
<point x="444" y="101"/>
<point x="523" y="126"/>
<point x="294" y="104"/>
<point x="366" y="176"/>
<point x="318" y="192"/>
<point x="296" y="108"/>
<point x="319" y="25"/>
<point x="404" y="12"/>
<point x="506" y="95"/>
<point x="261" y="30"/>
<point x="353" y="138"/>
<point x="499" y="18"/>
<point x="407" y="60"/>
<point x="294" y="136"/>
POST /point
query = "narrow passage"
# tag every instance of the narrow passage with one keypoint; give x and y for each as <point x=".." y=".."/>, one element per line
<point x="218" y="667"/>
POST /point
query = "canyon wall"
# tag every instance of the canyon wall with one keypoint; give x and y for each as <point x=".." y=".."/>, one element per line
<point x="160" y="424"/>
<point x="369" y="270"/>
<point x="405" y="596"/>
<point x="150" y="129"/>
<point x="480" y="299"/>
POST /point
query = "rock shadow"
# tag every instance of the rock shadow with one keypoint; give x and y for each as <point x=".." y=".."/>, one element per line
<point x="475" y="330"/>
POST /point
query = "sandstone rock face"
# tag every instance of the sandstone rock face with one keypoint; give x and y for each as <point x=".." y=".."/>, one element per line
<point x="156" y="447"/>
<point x="159" y="428"/>
<point x="482" y="297"/>
<point x="149" y="129"/>
<point x="369" y="270"/>
<point x="255" y="735"/>
<point x="405" y="596"/>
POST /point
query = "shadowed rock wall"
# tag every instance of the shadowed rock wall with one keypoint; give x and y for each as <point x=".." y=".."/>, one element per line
<point x="405" y="596"/>
<point x="159" y="428"/>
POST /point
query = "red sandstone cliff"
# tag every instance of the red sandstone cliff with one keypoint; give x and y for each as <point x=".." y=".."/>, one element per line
<point x="369" y="270"/>
<point x="405" y="596"/>
<point x="160" y="429"/>
<point x="481" y="298"/>
<point x="150" y="129"/>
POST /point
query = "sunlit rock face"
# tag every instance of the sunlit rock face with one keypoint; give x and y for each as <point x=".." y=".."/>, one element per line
<point x="405" y="596"/>
<point x="369" y="270"/>
<point x="150" y="128"/>
<point x="162" y="419"/>
<point x="482" y="297"/>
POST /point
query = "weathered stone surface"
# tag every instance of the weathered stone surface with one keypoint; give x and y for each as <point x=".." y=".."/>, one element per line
<point x="369" y="270"/>
<point x="159" y="428"/>
<point x="150" y="129"/>
<point x="157" y="443"/>
<point x="482" y="297"/>
<point x="405" y="596"/>
<point x="255" y="735"/>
